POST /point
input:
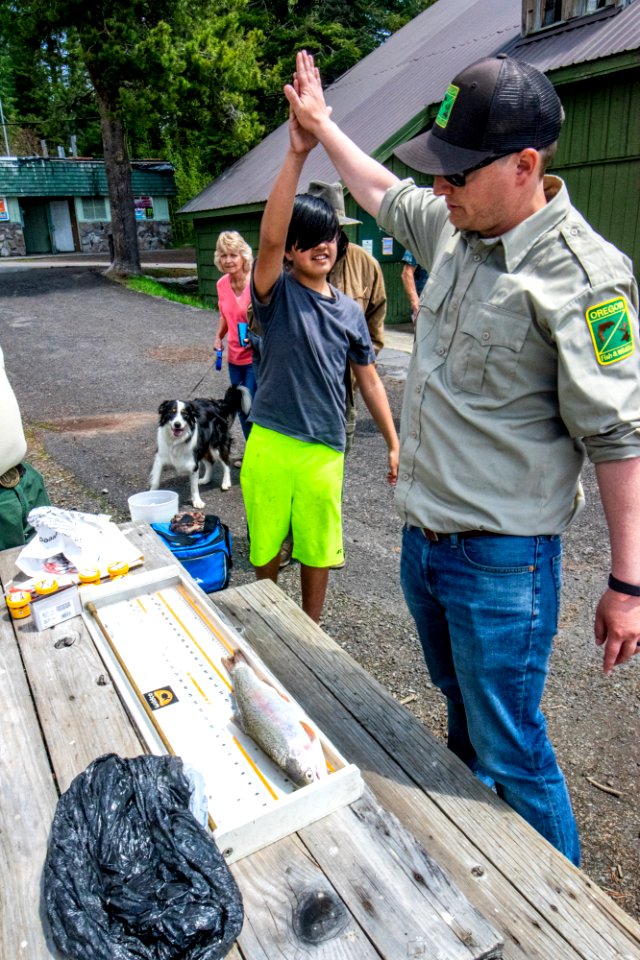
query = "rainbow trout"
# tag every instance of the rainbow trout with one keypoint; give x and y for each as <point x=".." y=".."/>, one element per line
<point x="275" y="723"/>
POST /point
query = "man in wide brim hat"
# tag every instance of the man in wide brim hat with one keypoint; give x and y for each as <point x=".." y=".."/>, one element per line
<point x="333" y="194"/>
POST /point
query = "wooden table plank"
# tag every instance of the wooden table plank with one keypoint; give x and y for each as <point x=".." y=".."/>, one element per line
<point x="544" y="906"/>
<point x="526" y="938"/>
<point x="28" y="799"/>
<point x="275" y="882"/>
<point x="79" y="709"/>
<point x="381" y="872"/>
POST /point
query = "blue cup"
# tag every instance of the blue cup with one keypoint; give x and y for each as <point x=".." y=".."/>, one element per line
<point x="242" y="334"/>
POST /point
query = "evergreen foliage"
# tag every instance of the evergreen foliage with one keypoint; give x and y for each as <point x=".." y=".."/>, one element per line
<point x="196" y="82"/>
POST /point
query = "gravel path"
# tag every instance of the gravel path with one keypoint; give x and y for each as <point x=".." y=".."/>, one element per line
<point x="91" y="361"/>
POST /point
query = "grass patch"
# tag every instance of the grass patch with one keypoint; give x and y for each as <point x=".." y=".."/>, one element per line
<point x="150" y="271"/>
<point x="155" y="289"/>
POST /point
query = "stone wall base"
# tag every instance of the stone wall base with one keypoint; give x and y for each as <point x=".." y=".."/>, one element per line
<point x="11" y="240"/>
<point x="152" y="235"/>
<point x="94" y="237"/>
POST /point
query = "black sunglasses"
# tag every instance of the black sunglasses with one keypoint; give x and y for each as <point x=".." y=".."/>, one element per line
<point x="460" y="179"/>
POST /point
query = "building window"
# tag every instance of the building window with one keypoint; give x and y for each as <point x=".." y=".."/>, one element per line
<point x="551" y="13"/>
<point x="94" y="208"/>
<point x="538" y="14"/>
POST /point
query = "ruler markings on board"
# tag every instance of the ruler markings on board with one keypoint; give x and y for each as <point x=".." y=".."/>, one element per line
<point x="198" y="688"/>
<point x="200" y="613"/>
<point x="185" y="677"/>
<point x="193" y="640"/>
<point x="255" y="768"/>
<point x="131" y="681"/>
<point x="164" y="646"/>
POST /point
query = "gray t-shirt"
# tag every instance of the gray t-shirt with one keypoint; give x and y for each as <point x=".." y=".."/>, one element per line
<point x="307" y="340"/>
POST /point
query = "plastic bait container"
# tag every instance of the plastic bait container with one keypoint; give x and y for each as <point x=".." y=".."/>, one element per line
<point x="89" y="575"/>
<point x="19" y="604"/>
<point x="153" y="506"/>
<point x="44" y="588"/>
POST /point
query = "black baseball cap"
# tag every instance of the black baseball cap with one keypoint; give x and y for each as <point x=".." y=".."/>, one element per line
<point x="493" y="107"/>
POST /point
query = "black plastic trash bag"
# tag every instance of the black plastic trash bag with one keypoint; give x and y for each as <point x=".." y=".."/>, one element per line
<point x="130" y="874"/>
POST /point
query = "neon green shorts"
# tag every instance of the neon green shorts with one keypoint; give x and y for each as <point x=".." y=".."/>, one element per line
<point x="290" y="483"/>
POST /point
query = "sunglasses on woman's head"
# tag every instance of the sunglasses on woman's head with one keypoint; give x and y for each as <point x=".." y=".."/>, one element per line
<point x="460" y="179"/>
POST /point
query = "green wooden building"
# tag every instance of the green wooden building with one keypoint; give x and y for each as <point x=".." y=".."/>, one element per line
<point x="61" y="205"/>
<point x="589" y="49"/>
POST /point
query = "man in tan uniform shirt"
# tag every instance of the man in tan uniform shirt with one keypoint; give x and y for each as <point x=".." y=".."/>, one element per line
<point x="526" y="359"/>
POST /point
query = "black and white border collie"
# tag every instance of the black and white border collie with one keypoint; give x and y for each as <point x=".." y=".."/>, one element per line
<point x="191" y="432"/>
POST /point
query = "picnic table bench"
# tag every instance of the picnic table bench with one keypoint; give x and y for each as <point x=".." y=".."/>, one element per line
<point x="427" y="863"/>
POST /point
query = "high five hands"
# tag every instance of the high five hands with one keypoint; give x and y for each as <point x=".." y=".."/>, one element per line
<point x="305" y="95"/>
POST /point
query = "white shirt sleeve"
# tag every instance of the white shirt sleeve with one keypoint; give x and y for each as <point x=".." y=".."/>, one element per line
<point x="13" y="445"/>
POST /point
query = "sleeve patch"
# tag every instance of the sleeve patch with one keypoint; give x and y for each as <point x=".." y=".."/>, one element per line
<point x="610" y="330"/>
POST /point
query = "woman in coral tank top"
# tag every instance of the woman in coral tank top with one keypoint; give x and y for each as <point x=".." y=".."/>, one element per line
<point x="234" y="258"/>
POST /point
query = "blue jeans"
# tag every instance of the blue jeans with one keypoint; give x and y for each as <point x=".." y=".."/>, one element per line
<point x="486" y="610"/>
<point x="242" y="375"/>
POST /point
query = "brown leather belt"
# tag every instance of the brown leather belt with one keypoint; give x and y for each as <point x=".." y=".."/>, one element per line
<point x="435" y="537"/>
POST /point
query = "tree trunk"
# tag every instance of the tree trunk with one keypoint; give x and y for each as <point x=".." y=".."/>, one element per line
<point x="125" y="255"/>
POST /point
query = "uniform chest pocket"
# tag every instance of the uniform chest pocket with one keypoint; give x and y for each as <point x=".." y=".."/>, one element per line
<point x="431" y="300"/>
<point x="487" y="349"/>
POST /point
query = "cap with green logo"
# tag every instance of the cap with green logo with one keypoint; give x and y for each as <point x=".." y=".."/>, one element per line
<point x="493" y="107"/>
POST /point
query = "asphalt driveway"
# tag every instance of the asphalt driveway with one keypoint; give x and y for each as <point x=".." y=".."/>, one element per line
<point x="90" y="361"/>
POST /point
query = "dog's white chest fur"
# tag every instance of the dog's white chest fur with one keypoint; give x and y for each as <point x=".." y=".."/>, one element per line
<point x="176" y="452"/>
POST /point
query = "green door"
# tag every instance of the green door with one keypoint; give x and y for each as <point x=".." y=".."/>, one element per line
<point x="36" y="226"/>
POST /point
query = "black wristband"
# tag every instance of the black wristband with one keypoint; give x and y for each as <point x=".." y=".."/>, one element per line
<point x="621" y="587"/>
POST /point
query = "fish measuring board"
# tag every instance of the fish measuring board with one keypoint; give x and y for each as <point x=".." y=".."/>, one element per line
<point x="163" y="646"/>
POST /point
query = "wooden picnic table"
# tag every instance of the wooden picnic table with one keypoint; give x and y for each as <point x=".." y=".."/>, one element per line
<point x="428" y="863"/>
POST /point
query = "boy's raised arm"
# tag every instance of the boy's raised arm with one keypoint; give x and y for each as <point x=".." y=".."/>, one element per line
<point x="365" y="178"/>
<point x="277" y="213"/>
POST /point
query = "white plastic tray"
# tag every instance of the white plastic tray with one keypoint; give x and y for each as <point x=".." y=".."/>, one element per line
<point x="163" y="643"/>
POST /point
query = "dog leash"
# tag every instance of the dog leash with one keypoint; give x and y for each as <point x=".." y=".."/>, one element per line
<point x="216" y="414"/>
<point x="208" y="370"/>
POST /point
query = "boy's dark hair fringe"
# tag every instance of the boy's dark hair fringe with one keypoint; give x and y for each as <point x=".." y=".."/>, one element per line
<point x="314" y="221"/>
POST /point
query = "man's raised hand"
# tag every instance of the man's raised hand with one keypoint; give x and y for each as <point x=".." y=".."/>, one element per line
<point x="305" y="94"/>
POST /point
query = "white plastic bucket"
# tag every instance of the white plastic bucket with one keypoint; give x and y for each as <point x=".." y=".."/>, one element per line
<point x="153" y="506"/>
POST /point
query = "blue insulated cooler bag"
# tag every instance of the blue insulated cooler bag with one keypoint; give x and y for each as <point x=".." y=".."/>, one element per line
<point x="206" y="555"/>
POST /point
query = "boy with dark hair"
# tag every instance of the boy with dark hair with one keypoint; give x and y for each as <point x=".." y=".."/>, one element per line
<point x="293" y="465"/>
<point x="359" y="275"/>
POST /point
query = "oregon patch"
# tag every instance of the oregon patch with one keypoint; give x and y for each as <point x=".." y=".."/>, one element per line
<point x="610" y="330"/>
<point x="447" y="105"/>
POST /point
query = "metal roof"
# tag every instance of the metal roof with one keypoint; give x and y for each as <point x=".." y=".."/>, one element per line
<point x="76" y="177"/>
<point x="397" y="82"/>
